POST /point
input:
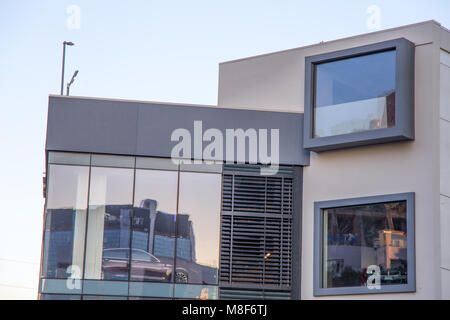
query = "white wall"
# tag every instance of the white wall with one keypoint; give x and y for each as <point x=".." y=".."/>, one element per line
<point x="444" y="124"/>
<point x="276" y="82"/>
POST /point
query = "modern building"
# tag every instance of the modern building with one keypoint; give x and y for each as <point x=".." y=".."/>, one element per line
<point x="322" y="173"/>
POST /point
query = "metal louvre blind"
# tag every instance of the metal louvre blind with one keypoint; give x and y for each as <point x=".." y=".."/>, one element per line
<point x="256" y="231"/>
<point x="239" y="294"/>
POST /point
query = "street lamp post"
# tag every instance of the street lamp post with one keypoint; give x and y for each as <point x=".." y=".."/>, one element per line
<point x="63" y="62"/>
<point x="71" y="81"/>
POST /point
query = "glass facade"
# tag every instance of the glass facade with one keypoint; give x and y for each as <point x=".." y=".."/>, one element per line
<point x="153" y="238"/>
<point x="199" y="227"/>
<point x="354" y="94"/>
<point x="363" y="237"/>
<point x="109" y="224"/>
<point x="130" y="227"/>
<point x="65" y="221"/>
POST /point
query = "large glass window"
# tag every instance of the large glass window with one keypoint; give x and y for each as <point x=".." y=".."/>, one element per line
<point x="365" y="245"/>
<point x="198" y="228"/>
<point x="146" y="228"/>
<point x="155" y="205"/>
<point x="109" y="224"/>
<point x="355" y="94"/>
<point x="65" y="221"/>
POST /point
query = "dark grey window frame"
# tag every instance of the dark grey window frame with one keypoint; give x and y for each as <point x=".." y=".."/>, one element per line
<point x="318" y="245"/>
<point x="404" y="98"/>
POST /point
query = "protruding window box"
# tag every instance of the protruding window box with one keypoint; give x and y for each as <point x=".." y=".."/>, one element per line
<point x="359" y="96"/>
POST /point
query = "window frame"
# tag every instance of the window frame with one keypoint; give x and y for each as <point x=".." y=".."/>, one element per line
<point x="318" y="290"/>
<point x="404" y="98"/>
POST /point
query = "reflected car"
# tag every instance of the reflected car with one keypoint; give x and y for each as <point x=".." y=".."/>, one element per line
<point x="393" y="276"/>
<point x="144" y="266"/>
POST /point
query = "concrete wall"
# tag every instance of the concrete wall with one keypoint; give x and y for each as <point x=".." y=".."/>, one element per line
<point x="276" y="82"/>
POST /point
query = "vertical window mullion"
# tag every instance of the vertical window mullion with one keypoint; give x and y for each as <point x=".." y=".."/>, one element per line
<point x="130" y="261"/>
<point x="86" y="225"/>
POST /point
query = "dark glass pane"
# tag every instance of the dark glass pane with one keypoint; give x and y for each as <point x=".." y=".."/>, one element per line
<point x="359" y="237"/>
<point x="46" y="296"/>
<point x="153" y="242"/>
<point x="198" y="228"/>
<point x="355" y="94"/>
<point x="65" y="221"/>
<point x="92" y="297"/>
<point x="109" y="224"/>
<point x="145" y="298"/>
<point x="192" y="291"/>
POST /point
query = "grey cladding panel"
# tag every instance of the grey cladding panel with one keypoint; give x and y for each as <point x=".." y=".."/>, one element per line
<point x="133" y="128"/>
<point x="91" y="126"/>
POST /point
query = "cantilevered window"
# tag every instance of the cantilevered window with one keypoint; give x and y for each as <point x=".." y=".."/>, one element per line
<point x="359" y="96"/>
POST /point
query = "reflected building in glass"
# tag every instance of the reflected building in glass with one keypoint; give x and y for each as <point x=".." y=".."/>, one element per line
<point x="321" y="172"/>
<point x="361" y="236"/>
<point x="143" y="227"/>
<point x="106" y="228"/>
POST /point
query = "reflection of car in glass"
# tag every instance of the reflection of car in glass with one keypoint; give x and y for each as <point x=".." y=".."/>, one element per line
<point x="393" y="276"/>
<point x="144" y="266"/>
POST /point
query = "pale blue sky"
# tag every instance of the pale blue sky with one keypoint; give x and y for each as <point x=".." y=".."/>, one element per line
<point x="141" y="50"/>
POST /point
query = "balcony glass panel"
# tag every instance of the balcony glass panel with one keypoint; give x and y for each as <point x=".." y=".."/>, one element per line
<point x="354" y="94"/>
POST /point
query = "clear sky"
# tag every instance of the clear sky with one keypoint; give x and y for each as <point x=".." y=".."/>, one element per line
<point x="142" y="50"/>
